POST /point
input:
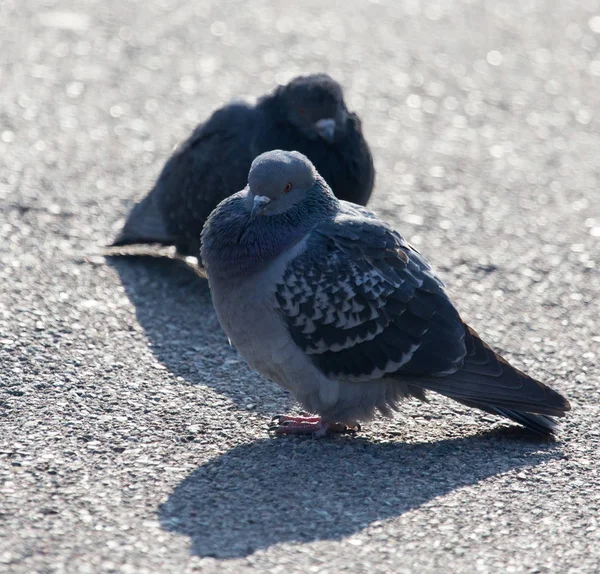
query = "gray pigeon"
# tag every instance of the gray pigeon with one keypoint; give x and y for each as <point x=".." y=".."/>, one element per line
<point x="308" y="115"/>
<point x="331" y="303"/>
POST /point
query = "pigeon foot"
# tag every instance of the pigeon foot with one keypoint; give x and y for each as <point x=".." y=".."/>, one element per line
<point x="315" y="426"/>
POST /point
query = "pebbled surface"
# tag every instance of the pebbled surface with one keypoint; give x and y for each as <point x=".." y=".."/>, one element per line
<point x="133" y="439"/>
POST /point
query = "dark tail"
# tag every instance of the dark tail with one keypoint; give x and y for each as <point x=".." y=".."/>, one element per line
<point x="490" y="383"/>
<point x="145" y="224"/>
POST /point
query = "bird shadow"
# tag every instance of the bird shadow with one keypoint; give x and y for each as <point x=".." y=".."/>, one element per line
<point x="292" y="490"/>
<point x="173" y="306"/>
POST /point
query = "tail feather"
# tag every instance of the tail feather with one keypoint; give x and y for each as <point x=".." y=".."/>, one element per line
<point x="541" y="424"/>
<point x="488" y="382"/>
<point x="144" y="224"/>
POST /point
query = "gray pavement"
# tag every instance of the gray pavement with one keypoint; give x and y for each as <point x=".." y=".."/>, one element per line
<point x="133" y="439"/>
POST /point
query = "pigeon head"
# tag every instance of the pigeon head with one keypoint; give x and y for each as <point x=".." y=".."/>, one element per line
<point x="279" y="181"/>
<point x="284" y="199"/>
<point x="315" y="105"/>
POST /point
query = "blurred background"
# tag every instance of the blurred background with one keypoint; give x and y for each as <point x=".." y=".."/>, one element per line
<point x="483" y="121"/>
<point x="468" y="106"/>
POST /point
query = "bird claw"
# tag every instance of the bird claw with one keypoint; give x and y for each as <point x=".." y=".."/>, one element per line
<point x="282" y="424"/>
<point x="281" y="419"/>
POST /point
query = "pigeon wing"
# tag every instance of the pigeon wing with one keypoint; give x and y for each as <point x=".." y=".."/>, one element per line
<point x="362" y="304"/>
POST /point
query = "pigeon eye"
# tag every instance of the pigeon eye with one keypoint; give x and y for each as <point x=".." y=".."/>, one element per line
<point x="288" y="187"/>
<point x="301" y="111"/>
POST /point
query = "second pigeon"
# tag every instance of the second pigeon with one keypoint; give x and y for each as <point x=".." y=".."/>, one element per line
<point x="308" y="115"/>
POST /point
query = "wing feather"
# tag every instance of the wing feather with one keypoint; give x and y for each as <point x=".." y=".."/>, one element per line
<point x="362" y="303"/>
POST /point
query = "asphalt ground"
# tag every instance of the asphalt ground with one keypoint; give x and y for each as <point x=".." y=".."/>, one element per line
<point x="133" y="438"/>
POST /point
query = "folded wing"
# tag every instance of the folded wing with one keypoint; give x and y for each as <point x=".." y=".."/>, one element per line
<point x="363" y="305"/>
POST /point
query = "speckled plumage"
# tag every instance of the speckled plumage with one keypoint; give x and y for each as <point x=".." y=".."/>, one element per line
<point x="330" y="302"/>
<point x="214" y="162"/>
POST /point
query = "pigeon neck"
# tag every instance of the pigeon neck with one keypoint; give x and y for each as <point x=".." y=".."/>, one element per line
<point x="252" y="252"/>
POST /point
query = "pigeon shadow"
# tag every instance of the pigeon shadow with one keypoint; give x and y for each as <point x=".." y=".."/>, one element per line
<point x="173" y="305"/>
<point x="294" y="490"/>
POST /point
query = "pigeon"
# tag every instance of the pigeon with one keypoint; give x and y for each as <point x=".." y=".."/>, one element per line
<point x="324" y="298"/>
<point x="308" y="115"/>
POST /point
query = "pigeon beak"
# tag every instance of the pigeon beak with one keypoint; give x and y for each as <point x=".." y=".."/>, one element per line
<point x="260" y="202"/>
<point x="326" y="129"/>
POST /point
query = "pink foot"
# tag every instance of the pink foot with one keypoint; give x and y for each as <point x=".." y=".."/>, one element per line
<point x="282" y="424"/>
